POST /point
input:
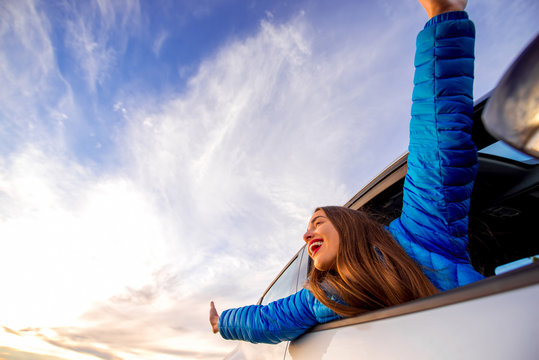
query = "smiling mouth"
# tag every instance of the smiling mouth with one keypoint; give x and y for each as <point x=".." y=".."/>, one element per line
<point x="314" y="246"/>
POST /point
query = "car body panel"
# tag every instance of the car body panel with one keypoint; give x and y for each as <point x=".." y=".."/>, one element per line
<point x="246" y="350"/>
<point x="482" y="328"/>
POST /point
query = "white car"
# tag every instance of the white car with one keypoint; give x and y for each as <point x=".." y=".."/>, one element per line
<point x="495" y="318"/>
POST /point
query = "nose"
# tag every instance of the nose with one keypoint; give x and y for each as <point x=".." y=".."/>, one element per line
<point x="308" y="236"/>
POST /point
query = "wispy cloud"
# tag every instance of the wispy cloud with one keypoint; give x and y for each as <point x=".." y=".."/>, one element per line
<point x="97" y="33"/>
<point x="240" y="160"/>
<point x="500" y="27"/>
<point x="11" y="353"/>
<point x="86" y="349"/>
<point x="34" y="98"/>
<point x="158" y="42"/>
<point x="25" y="344"/>
<point x="10" y="331"/>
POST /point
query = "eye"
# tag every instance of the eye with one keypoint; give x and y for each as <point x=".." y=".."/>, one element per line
<point x="317" y="223"/>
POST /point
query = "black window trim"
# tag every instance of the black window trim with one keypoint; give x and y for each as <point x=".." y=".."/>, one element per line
<point x="390" y="175"/>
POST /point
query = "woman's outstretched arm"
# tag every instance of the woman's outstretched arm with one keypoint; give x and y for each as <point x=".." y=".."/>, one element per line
<point x="281" y="320"/>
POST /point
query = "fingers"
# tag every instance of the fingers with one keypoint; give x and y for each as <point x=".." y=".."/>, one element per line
<point x="214" y="318"/>
<point x="436" y="7"/>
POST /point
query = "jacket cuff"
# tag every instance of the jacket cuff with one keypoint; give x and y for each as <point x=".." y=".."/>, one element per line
<point x="223" y="330"/>
<point x="452" y="15"/>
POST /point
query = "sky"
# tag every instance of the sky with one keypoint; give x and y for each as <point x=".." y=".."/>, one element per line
<point x="156" y="155"/>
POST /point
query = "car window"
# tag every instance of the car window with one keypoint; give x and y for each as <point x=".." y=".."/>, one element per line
<point x="304" y="269"/>
<point x="287" y="283"/>
<point x="501" y="149"/>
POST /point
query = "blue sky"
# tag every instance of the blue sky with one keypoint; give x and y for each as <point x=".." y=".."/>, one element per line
<point x="156" y="155"/>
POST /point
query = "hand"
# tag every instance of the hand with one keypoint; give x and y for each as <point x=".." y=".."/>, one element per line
<point x="437" y="7"/>
<point x="214" y="318"/>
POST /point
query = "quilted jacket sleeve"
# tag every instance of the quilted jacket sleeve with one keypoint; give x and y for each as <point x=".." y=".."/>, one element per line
<point x="442" y="161"/>
<point x="281" y="320"/>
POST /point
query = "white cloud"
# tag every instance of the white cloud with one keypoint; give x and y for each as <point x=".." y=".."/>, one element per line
<point x="259" y="140"/>
<point x="33" y="92"/>
<point x="158" y="42"/>
<point x="93" y="55"/>
<point x="97" y="33"/>
<point x="70" y="238"/>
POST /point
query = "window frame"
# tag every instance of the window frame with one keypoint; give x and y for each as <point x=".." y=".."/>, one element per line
<point x="300" y="255"/>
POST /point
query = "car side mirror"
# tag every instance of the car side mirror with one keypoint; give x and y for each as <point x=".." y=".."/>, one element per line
<point x="512" y="112"/>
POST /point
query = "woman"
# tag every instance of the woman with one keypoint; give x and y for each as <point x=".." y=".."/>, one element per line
<point x="358" y="264"/>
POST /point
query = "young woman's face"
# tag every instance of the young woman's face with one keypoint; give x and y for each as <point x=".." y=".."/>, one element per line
<point x="322" y="241"/>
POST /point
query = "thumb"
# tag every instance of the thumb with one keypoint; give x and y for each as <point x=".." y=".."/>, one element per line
<point x="213" y="310"/>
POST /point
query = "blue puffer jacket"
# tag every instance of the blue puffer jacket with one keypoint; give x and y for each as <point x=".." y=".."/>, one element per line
<point x="442" y="164"/>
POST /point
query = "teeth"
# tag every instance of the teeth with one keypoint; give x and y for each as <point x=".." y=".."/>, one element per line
<point x="316" y="243"/>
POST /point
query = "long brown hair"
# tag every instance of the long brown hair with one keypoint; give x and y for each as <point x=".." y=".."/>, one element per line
<point x="371" y="270"/>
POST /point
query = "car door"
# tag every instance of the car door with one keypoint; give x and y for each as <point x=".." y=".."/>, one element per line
<point x="495" y="318"/>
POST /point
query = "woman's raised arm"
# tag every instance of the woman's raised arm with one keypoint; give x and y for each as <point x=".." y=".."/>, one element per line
<point x="442" y="160"/>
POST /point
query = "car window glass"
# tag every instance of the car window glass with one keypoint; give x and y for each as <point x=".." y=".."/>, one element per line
<point x="286" y="284"/>
<point x="501" y="149"/>
<point x="304" y="269"/>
